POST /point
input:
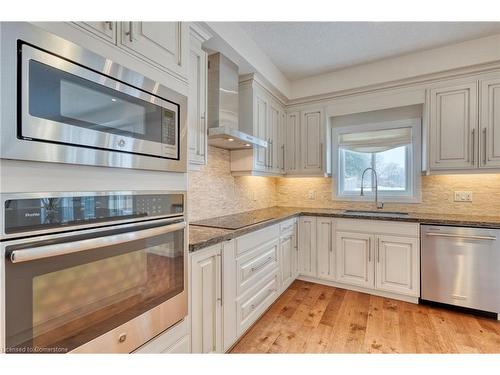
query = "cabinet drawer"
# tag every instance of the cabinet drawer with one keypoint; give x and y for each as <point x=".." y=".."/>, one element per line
<point x="167" y="341"/>
<point x="287" y="226"/>
<point x="255" y="302"/>
<point x="255" y="239"/>
<point x="378" y="227"/>
<point x="256" y="264"/>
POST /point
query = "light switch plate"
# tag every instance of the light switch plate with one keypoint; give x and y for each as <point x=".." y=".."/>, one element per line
<point x="463" y="196"/>
<point x="311" y="194"/>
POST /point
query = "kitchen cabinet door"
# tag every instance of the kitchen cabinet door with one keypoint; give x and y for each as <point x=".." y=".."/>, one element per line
<point x="273" y="137"/>
<point x="307" y="246"/>
<point x="453" y="127"/>
<point x="292" y="143"/>
<point x="490" y="122"/>
<point x="325" y="228"/>
<point x="397" y="265"/>
<point x="311" y="150"/>
<point x="354" y="258"/>
<point x="197" y="104"/>
<point x="287" y="251"/>
<point x="103" y="29"/>
<point x="261" y="121"/>
<point x="206" y="301"/>
<point x="163" y="44"/>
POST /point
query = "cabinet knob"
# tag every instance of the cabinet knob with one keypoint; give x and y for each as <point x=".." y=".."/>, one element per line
<point x="122" y="337"/>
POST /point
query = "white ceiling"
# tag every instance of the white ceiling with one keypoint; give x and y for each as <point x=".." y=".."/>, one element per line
<point x="302" y="49"/>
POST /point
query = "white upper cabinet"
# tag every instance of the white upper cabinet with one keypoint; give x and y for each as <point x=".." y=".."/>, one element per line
<point x="197" y="100"/>
<point x="312" y="142"/>
<point x="326" y="247"/>
<point x="163" y="44"/>
<point x="453" y="126"/>
<point x="490" y="122"/>
<point x="304" y="142"/>
<point x="103" y="29"/>
<point x="292" y="143"/>
<point x="397" y="265"/>
<point x="261" y="115"/>
<point x="464" y="122"/>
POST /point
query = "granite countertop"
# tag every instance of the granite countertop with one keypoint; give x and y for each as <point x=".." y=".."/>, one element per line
<point x="200" y="237"/>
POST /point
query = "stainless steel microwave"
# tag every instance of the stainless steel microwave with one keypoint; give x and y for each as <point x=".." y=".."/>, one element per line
<point x="69" y="105"/>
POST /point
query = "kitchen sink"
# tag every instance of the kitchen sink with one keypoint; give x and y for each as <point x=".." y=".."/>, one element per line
<point x="377" y="213"/>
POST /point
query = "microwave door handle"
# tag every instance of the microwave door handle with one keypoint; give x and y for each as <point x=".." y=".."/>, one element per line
<point x="46" y="251"/>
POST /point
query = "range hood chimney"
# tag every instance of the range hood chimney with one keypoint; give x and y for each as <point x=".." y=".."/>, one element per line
<point x="223" y="86"/>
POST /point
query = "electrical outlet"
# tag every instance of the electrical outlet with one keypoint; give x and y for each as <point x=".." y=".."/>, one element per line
<point x="311" y="194"/>
<point x="463" y="196"/>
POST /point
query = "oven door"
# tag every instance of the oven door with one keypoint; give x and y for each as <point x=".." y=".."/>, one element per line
<point x="63" y="102"/>
<point x="109" y="291"/>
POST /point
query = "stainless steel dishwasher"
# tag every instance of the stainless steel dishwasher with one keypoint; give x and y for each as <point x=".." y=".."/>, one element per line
<point x="461" y="266"/>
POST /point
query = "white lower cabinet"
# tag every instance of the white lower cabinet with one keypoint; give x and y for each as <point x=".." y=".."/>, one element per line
<point x="325" y="233"/>
<point x="287" y="251"/>
<point x="354" y="259"/>
<point x="380" y="256"/>
<point x="397" y="265"/>
<point x="173" y="340"/>
<point x="206" y="300"/>
<point x="307" y="246"/>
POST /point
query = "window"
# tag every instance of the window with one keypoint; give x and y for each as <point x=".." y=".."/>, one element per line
<point x="392" y="149"/>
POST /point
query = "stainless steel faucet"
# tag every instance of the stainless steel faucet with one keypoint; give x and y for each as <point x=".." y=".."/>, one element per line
<point x="379" y="205"/>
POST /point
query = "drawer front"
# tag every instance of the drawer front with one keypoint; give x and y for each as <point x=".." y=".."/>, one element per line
<point x="253" y="240"/>
<point x="167" y="339"/>
<point x="257" y="264"/>
<point x="378" y="227"/>
<point x="251" y="306"/>
<point x="287" y="226"/>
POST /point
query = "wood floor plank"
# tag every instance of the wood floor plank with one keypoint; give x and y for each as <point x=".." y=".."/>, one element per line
<point x="313" y="318"/>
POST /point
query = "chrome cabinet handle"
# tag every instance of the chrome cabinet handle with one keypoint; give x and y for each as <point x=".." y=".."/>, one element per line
<point x="489" y="238"/>
<point x="253" y="305"/>
<point x="47" y="251"/>
<point x="378" y="251"/>
<point x="485" y="140"/>
<point x="473" y="146"/>
<point x="110" y="25"/>
<point x="220" y="275"/>
<point x="130" y="32"/>
<point x="262" y="265"/>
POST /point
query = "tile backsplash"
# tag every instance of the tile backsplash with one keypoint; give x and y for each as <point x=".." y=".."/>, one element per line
<point x="437" y="195"/>
<point x="213" y="191"/>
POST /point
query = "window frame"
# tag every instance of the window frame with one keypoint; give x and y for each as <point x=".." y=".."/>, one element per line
<point x="413" y="164"/>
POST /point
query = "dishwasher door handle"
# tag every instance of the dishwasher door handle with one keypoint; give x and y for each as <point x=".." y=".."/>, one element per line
<point x="464" y="236"/>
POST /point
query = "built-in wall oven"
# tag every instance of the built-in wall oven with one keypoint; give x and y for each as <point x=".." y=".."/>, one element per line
<point x="91" y="272"/>
<point x="70" y="105"/>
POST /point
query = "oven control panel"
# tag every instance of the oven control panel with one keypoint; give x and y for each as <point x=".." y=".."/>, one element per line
<point x="49" y="212"/>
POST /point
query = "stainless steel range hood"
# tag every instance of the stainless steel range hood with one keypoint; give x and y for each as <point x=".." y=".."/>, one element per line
<point x="223" y="105"/>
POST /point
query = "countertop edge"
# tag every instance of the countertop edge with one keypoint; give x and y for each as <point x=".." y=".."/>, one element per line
<point x="425" y="221"/>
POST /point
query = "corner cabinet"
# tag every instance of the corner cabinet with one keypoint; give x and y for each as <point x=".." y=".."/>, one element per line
<point x="262" y="115"/>
<point x="197" y="99"/>
<point x="463" y="122"/>
<point x="304" y="147"/>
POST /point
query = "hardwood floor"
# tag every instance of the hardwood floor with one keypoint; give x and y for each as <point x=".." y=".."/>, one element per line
<point x="313" y="318"/>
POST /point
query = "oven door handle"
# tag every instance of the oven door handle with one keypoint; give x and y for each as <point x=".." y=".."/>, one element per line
<point x="47" y="251"/>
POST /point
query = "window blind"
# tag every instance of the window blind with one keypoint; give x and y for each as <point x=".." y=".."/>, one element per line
<point x="376" y="140"/>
